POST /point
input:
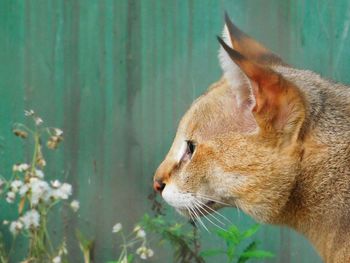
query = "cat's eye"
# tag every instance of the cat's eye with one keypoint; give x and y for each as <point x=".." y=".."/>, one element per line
<point x="191" y="147"/>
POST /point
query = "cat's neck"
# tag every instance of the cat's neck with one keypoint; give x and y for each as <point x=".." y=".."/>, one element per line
<point x="319" y="204"/>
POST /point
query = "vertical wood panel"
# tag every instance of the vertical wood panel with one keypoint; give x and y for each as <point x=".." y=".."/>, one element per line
<point x="118" y="75"/>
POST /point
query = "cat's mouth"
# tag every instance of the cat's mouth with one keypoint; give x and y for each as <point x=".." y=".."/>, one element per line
<point x="191" y="205"/>
<point x="210" y="203"/>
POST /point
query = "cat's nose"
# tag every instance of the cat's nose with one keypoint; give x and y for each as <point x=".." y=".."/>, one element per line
<point x="158" y="185"/>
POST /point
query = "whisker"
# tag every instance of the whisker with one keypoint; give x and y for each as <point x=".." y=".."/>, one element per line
<point x="191" y="216"/>
<point x="205" y="208"/>
<point x="199" y="210"/>
<point x="193" y="209"/>
<point x="207" y="197"/>
<point x="211" y="199"/>
<point x="197" y="218"/>
<point x="238" y="212"/>
<point x="216" y="212"/>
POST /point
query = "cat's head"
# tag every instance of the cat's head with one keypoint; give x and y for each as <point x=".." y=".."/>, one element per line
<point x="238" y="144"/>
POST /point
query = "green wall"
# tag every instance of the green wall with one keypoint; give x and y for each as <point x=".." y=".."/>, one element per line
<point x="117" y="76"/>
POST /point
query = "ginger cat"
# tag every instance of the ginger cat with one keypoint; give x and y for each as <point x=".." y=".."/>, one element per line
<point x="269" y="139"/>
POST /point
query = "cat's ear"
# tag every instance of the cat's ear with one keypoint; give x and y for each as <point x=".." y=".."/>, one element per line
<point x="247" y="46"/>
<point x="277" y="105"/>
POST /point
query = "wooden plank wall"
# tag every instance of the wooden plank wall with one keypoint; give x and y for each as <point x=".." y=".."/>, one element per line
<point x="118" y="75"/>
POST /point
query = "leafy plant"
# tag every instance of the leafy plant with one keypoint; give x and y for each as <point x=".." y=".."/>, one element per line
<point x="183" y="242"/>
<point x="136" y="237"/>
<point x="234" y="239"/>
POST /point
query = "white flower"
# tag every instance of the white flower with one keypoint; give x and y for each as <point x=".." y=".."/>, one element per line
<point x="150" y="253"/>
<point x="38" y="120"/>
<point x="11" y="195"/>
<point x="141" y="233"/>
<point x="23" y="190"/>
<point x="137" y="228"/>
<point x="39" y="173"/>
<point x="56" y="259"/>
<point x="15" y="185"/>
<point x="33" y="180"/>
<point x="58" y="132"/>
<point x="144" y="252"/>
<point x="75" y="205"/>
<point x="40" y="190"/>
<point x="66" y="190"/>
<point x="117" y="227"/>
<point x="140" y="250"/>
<point x="63" y="192"/>
<point x="41" y="162"/>
<point x="28" y="113"/>
<point x="16" y="227"/>
<point x="31" y="219"/>
<point x="20" y="167"/>
<point x="10" y="198"/>
<point x="5" y="222"/>
<point x="56" y="183"/>
<point x="23" y="167"/>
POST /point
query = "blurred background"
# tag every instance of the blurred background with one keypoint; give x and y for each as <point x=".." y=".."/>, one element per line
<point x="117" y="76"/>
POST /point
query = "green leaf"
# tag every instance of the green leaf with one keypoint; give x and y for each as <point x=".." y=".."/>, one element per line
<point x="130" y="258"/>
<point x="251" y="231"/>
<point x="231" y="236"/>
<point x="211" y="252"/>
<point x="234" y="230"/>
<point x="252" y="246"/>
<point x="256" y="254"/>
<point x="223" y="234"/>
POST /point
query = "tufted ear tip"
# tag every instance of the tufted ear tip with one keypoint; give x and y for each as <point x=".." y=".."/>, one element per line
<point x="248" y="46"/>
<point x="230" y="51"/>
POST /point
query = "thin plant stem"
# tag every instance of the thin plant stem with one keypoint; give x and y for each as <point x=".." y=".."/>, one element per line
<point x="12" y="246"/>
<point x="86" y="256"/>
<point x="46" y="232"/>
<point x="36" y="148"/>
<point x="124" y="251"/>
